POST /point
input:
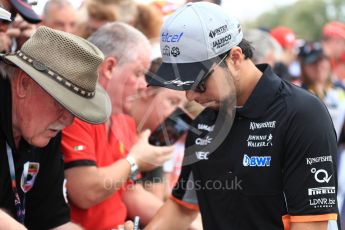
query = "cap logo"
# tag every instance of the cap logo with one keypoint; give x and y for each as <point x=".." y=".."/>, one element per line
<point x="222" y="42"/>
<point x="166" y="51"/>
<point x="218" y="31"/>
<point x="239" y="28"/>
<point x="175" y="51"/>
<point x="178" y="82"/>
<point x="166" y="37"/>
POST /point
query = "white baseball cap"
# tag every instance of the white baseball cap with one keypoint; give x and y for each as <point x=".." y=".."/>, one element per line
<point x="191" y="39"/>
<point x="5" y="15"/>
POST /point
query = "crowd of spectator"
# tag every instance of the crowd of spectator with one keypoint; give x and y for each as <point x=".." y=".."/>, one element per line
<point x="108" y="48"/>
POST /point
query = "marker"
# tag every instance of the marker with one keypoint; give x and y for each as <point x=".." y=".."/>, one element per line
<point x="136" y="223"/>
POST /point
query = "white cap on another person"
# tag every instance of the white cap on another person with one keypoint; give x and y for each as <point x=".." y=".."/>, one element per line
<point x="191" y="39"/>
<point x="5" y="15"/>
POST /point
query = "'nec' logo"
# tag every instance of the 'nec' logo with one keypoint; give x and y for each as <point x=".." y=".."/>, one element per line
<point x="202" y="155"/>
<point x="256" y="161"/>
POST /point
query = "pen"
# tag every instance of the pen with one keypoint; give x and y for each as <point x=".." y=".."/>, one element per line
<point x="136" y="223"/>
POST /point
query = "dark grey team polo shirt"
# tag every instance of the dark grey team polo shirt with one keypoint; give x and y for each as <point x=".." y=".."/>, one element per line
<point x="275" y="166"/>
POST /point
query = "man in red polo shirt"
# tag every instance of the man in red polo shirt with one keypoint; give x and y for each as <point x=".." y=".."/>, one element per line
<point x="100" y="159"/>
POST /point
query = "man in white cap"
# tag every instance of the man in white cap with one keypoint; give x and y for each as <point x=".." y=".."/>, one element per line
<point x="21" y="28"/>
<point x="275" y="167"/>
<point x="43" y="86"/>
<point x="24" y="8"/>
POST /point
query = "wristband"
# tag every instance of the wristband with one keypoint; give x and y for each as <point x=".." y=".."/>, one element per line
<point x="134" y="168"/>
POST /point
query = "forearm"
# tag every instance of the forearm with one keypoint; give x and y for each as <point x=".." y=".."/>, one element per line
<point x="172" y="216"/>
<point x="157" y="189"/>
<point x="68" y="226"/>
<point x="114" y="177"/>
<point x="89" y="185"/>
<point x="140" y="202"/>
<point x="8" y="223"/>
<point x="321" y="225"/>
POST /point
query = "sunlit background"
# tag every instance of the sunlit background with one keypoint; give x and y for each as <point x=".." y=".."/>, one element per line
<point x="244" y="9"/>
<point x="305" y="17"/>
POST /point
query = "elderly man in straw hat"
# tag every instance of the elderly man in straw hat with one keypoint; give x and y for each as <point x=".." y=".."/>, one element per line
<point x="51" y="80"/>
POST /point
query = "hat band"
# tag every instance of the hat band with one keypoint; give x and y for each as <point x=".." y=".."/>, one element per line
<point x="53" y="75"/>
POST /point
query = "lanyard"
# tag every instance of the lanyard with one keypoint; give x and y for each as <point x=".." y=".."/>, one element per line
<point x="20" y="207"/>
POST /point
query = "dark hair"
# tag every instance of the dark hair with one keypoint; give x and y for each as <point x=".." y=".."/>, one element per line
<point x="155" y="65"/>
<point x="247" y="50"/>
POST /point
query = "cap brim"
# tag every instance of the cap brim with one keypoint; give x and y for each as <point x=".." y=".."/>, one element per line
<point x="26" y="11"/>
<point x="312" y="57"/>
<point x="180" y="76"/>
<point x="5" y="15"/>
<point x="94" y="110"/>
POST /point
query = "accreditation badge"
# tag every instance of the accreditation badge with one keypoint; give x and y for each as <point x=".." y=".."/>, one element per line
<point x="30" y="171"/>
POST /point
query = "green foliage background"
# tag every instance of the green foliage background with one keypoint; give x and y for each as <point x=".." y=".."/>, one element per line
<point x="305" y="17"/>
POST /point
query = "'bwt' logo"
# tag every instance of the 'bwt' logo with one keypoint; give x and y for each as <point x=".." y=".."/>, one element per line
<point x="256" y="161"/>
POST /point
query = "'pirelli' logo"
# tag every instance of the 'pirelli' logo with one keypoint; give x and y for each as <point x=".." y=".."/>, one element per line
<point x="321" y="191"/>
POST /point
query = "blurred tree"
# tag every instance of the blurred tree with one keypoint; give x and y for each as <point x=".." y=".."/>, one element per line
<point x="305" y="17"/>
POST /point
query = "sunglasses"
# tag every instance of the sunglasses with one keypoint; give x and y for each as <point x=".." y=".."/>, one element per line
<point x="201" y="86"/>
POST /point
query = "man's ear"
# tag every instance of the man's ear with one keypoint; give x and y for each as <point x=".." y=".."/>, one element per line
<point x="106" y="70"/>
<point x="108" y="66"/>
<point x="235" y="56"/>
<point x="22" y="84"/>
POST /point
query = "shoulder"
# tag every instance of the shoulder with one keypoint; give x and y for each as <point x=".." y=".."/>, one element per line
<point x="79" y="127"/>
<point x="306" y="113"/>
<point x="202" y="124"/>
<point x="302" y="103"/>
<point x="123" y="121"/>
<point x="208" y="115"/>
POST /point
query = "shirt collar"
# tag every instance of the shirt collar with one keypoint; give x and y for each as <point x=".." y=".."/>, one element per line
<point x="264" y="94"/>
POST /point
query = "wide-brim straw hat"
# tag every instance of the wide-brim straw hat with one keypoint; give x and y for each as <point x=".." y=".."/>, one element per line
<point x="65" y="66"/>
